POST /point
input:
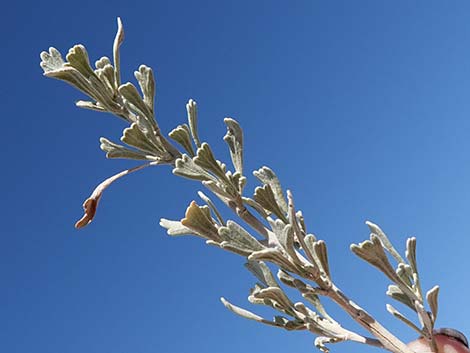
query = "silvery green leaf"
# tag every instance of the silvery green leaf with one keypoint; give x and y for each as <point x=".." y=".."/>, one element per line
<point x="300" y="307"/>
<point x="309" y="240"/>
<point x="316" y="302"/>
<point x="432" y="299"/>
<point x="308" y="244"/>
<point x="254" y="299"/>
<point x="234" y="139"/>
<point x="246" y="314"/>
<point x="261" y="271"/>
<point x="175" y="228"/>
<point x="198" y="218"/>
<point x="267" y="176"/>
<point x="214" y="209"/>
<point x="181" y="134"/>
<point x="252" y="203"/>
<point x="206" y="160"/>
<point x="290" y="325"/>
<point x="223" y="167"/>
<point x="237" y="180"/>
<point x="403" y="271"/>
<point x="375" y="229"/>
<point x="276" y="295"/>
<point x="134" y="137"/>
<point x="89" y="105"/>
<point x="235" y="234"/>
<point x="281" y="320"/>
<point x="411" y="254"/>
<point x="52" y="60"/>
<point x="77" y="57"/>
<point x="103" y="94"/>
<point x="236" y="248"/>
<point x="118" y="39"/>
<point x="79" y="74"/>
<point x="298" y="233"/>
<point x="106" y="75"/>
<point x="424" y="319"/>
<point x="295" y="325"/>
<point x="241" y="182"/>
<point x="191" y="108"/>
<point x="218" y="190"/>
<point x="397" y="294"/>
<point x="301" y="220"/>
<point x="277" y="226"/>
<point x="302" y="286"/>
<point x="212" y="243"/>
<point x="411" y="257"/>
<point x="113" y="150"/>
<point x="257" y="301"/>
<point x="102" y="62"/>
<point x="185" y="167"/>
<point x="320" y="342"/>
<point x="285" y="236"/>
<point x="287" y="240"/>
<point x="265" y="197"/>
<point x="322" y="256"/>
<point x="403" y="318"/>
<point x="72" y="77"/>
<point x="272" y="238"/>
<point x="134" y="102"/>
<point x="285" y="278"/>
<point x="372" y="252"/>
<point x="147" y="85"/>
<point x="309" y="293"/>
<point x="275" y="256"/>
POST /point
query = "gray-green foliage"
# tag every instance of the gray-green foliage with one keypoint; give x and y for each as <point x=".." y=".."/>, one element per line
<point x="277" y="233"/>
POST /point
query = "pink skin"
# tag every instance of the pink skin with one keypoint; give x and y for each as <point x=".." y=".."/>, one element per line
<point x="445" y="344"/>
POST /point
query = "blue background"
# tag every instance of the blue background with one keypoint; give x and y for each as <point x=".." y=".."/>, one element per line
<point x="361" y="107"/>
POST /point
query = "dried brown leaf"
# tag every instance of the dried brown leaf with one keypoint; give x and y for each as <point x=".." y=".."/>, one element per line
<point x="91" y="203"/>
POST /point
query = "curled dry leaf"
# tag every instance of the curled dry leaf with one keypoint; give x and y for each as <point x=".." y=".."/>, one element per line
<point x="91" y="203"/>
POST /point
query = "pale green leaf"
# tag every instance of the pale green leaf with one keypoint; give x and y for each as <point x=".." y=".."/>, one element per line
<point x="403" y="318"/>
<point x="236" y="235"/>
<point x="375" y="229"/>
<point x="181" y="134"/>
<point x="261" y="271"/>
<point x="175" y="228"/>
<point x="185" y="167"/>
<point x="113" y="150"/>
<point x="206" y="160"/>
<point x="265" y="197"/>
<point x="234" y="139"/>
<point x="267" y="176"/>
<point x="146" y="81"/>
<point x="198" y="218"/>
<point x="191" y="108"/>
<point x="432" y="299"/>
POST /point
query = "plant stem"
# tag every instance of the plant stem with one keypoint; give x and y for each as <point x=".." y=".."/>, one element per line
<point x="353" y="336"/>
<point x="387" y="339"/>
<point x="242" y="212"/>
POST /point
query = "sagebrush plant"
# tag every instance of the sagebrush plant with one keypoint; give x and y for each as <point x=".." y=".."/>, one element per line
<point x="277" y="234"/>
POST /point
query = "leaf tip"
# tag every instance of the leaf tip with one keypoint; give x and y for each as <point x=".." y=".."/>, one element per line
<point x="89" y="207"/>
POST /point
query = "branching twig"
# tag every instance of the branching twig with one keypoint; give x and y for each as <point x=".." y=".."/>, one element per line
<point x="300" y="257"/>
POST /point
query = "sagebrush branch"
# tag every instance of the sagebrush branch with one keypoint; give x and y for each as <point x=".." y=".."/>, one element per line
<point x="278" y="237"/>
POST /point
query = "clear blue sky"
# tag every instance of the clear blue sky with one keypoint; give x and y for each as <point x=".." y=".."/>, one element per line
<point x="362" y="108"/>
